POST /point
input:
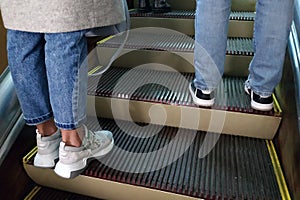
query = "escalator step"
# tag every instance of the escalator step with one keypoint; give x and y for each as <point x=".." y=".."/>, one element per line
<point x="186" y="14"/>
<point x="168" y="88"/>
<point x="169" y="41"/>
<point x="174" y="160"/>
<point x="240" y="23"/>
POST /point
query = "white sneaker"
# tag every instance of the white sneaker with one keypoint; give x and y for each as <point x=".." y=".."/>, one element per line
<point x="73" y="160"/>
<point x="47" y="149"/>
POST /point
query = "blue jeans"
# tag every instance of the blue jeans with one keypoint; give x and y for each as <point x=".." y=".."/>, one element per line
<point x="50" y="76"/>
<point x="271" y="30"/>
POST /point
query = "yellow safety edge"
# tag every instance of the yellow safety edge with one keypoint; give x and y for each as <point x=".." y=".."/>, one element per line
<point x="92" y="71"/>
<point x="277" y="108"/>
<point x="33" y="192"/>
<point x="105" y="39"/>
<point x="285" y="194"/>
<point x="29" y="155"/>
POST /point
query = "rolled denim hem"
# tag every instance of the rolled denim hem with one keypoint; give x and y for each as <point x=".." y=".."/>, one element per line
<point x="262" y="94"/>
<point x="70" y="126"/>
<point x="200" y="87"/>
<point x="248" y="85"/>
<point x="38" y="120"/>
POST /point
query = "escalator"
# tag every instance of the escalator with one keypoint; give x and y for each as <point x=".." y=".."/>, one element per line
<point x="166" y="146"/>
<point x="236" y="168"/>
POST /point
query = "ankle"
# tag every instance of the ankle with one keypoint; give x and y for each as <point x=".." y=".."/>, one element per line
<point x="72" y="137"/>
<point x="46" y="128"/>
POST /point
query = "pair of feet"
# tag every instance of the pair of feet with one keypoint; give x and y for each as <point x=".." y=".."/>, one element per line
<point x="71" y="160"/>
<point x="206" y="98"/>
<point x="159" y="6"/>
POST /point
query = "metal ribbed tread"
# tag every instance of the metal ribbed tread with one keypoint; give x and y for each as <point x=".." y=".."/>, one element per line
<point x="165" y="41"/>
<point x="186" y="14"/>
<point x="236" y="168"/>
<point x="230" y="94"/>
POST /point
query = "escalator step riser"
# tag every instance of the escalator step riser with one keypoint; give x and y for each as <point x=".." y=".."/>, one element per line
<point x="51" y="194"/>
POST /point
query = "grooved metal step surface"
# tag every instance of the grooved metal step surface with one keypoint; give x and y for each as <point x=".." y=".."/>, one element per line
<point x="168" y="41"/>
<point x="240" y="24"/>
<point x="162" y="97"/>
<point x="186" y="14"/>
<point x="155" y="45"/>
<point x="180" y="161"/>
<point x="236" y="5"/>
<point x="168" y="87"/>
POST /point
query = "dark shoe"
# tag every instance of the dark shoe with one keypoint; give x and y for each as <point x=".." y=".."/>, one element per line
<point x="144" y="6"/>
<point x="201" y="97"/>
<point x="161" y="6"/>
<point x="262" y="103"/>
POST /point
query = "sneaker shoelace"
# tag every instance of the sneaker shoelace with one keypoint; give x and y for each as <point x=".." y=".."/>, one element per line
<point x="92" y="141"/>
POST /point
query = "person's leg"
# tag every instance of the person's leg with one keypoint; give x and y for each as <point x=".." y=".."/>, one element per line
<point x="27" y="65"/>
<point x="161" y="6"/>
<point x="67" y="75"/>
<point x="211" y="27"/>
<point x="46" y="128"/>
<point x="144" y="6"/>
<point x="26" y="62"/>
<point x="66" y="63"/>
<point x="271" y="30"/>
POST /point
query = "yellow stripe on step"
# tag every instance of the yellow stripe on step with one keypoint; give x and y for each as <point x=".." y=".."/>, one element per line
<point x="278" y="171"/>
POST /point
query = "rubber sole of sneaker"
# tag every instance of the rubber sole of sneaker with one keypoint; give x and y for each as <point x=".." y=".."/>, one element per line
<point x="201" y="102"/>
<point x="261" y="107"/>
<point x="69" y="171"/>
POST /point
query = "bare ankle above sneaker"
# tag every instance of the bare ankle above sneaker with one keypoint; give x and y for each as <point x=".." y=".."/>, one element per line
<point x="73" y="137"/>
<point x="46" y="128"/>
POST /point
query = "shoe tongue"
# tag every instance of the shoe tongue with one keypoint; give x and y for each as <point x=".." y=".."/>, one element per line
<point x="87" y="134"/>
<point x="89" y="139"/>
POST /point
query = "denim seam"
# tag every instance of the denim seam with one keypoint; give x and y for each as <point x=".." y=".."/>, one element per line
<point x="38" y="120"/>
<point x="76" y="86"/>
<point x="70" y="125"/>
<point x="258" y="92"/>
<point x="261" y="93"/>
